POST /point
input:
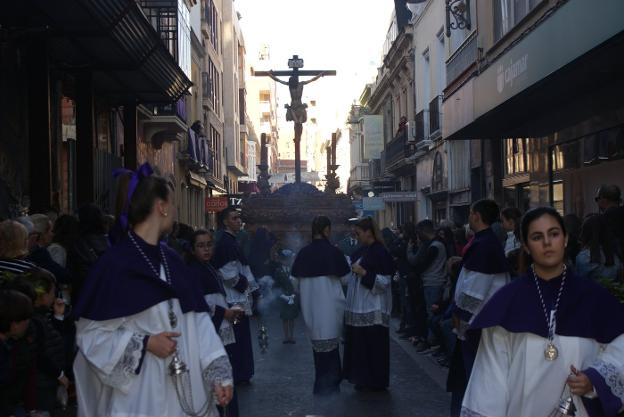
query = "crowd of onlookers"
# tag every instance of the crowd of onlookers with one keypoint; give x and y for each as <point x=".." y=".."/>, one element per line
<point x="429" y="260"/>
<point x="45" y="258"/>
<point x="44" y="261"/>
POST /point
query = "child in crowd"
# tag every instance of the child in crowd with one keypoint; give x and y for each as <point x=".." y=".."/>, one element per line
<point x="15" y="313"/>
<point x="289" y="306"/>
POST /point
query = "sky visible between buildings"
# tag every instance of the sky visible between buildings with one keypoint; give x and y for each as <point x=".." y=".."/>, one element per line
<point x="342" y="35"/>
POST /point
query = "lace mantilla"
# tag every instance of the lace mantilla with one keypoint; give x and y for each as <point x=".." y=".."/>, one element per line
<point x="468" y="303"/>
<point x="219" y="372"/>
<point x="466" y="412"/>
<point x="226" y="333"/>
<point x="367" y="319"/>
<point x="128" y="366"/>
<point x="614" y="377"/>
<point x="327" y="345"/>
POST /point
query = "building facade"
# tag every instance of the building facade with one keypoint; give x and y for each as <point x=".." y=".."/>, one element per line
<point x="99" y="97"/>
<point x="392" y="97"/>
<point x="543" y="142"/>
<point x="234" y="97"/>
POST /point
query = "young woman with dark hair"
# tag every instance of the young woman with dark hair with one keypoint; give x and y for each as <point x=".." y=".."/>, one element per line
<point x="367" y="316"/>
<point x="202" y="249"/>
<point x="139" y="307"/>
<point x="511" y="217"/>
<point x="317" y="272"/>
<point x="597" y="258"/>
<point x="548" y="335"/>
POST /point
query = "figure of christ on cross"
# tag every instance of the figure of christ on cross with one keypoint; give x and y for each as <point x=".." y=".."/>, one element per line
<point x="296" y="110"/>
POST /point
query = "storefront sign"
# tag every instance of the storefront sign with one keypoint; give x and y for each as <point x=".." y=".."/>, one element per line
<point x="373" y="204"/>
<point x="399" y="196"/>
<point x="235" y="200"/>
<point x="216" y="204"/>
<point x="575" y="28"/>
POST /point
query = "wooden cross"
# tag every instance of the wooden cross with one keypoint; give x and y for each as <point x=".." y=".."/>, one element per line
<point x="296" y="110"/>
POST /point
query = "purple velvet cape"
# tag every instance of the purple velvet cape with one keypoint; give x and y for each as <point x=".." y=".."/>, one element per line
<point x="486" y="254"/>
<point x="121" y="283"/>
<point x="586" y="310"/>
<point x="227" y="250"/>
<point x="376" y="260"/>
<point x="320" y="258"/>
<point x="210" y="284"/>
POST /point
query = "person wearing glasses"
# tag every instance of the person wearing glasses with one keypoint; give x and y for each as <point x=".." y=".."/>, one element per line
<point x="211" y="281"/>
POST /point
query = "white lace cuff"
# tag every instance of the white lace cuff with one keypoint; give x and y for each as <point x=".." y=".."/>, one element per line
<point x="469" y="303"/>
<point x="219" y="372"/>
<point x="613" y="377"/>
<point x="130" y="363"/>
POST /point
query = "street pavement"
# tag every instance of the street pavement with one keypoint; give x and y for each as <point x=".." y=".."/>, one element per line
<point x="284" y="375"/>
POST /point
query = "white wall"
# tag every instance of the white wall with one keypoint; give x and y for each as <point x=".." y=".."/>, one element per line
<point x="427" y="74"/>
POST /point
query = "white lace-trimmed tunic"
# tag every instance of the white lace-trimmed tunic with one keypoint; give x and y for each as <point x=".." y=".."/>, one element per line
<point x="116" y="377"/>
<point x="511" y="377"/>
<point x="368" y="307"/>
<point x="231" y="272"/>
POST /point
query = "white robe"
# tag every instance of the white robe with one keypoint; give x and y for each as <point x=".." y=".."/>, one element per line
<point x="226" y="331"/>
<point x="110" y="352"/>
<point x="322" y="307"/>
<point x="511" y="377"/>
<point x="231" y="273"/>
<point x="473" y="290"/>
<point x="368" y="307"/>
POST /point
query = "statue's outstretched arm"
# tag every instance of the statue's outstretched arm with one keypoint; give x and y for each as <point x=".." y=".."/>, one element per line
<point x="276" y="79"/>
<point x="312" y="79"/>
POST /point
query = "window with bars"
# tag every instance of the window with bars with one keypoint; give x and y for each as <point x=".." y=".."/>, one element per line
<point x="212" y="18"/>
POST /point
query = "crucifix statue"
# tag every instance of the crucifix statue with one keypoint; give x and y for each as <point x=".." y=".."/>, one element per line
<point x="296" y="110"/>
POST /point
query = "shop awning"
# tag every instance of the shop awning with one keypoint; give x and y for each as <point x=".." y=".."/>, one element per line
<point x="568" y="69"/>
<point x="112" y="38"/>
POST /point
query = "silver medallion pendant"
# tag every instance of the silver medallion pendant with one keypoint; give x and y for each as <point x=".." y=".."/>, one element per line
<point x="551" y="353"/>
<point x="173" y="319"/>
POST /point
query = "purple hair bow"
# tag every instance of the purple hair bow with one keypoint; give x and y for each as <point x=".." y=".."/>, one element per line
<point x="143" y="171"/>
